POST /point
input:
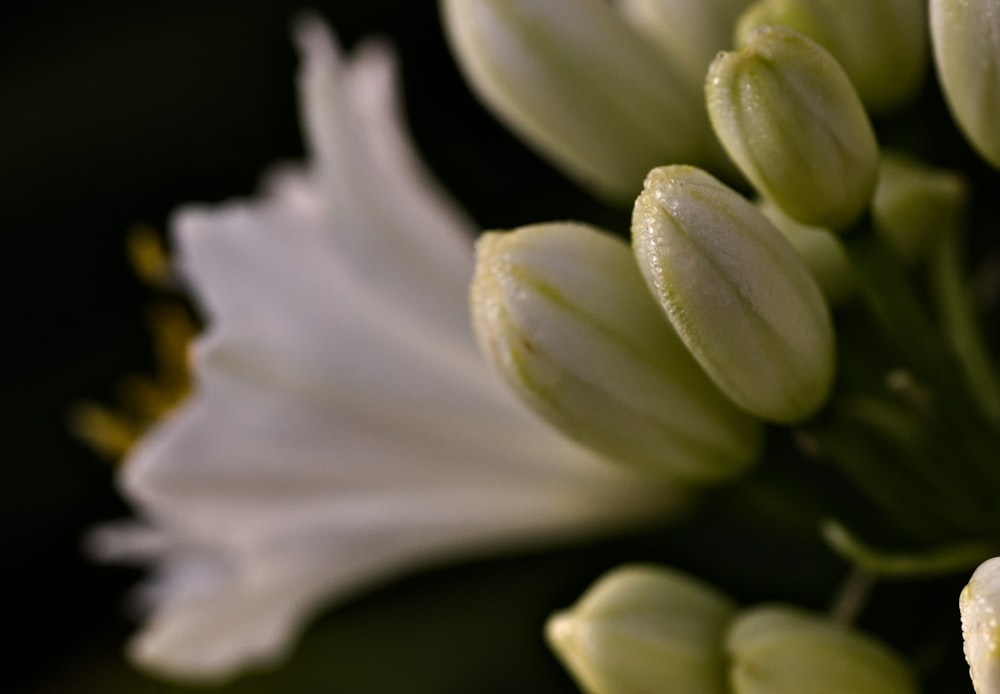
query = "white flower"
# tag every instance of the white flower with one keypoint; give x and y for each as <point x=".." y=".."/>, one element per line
<point x="343" y="427"/>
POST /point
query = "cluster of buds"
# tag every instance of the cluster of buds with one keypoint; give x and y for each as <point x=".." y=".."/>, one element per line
<point x="672" y="357"/>
<point x="644" y="628"/>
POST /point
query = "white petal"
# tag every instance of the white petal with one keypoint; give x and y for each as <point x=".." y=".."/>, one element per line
<point x="343" y="427"/>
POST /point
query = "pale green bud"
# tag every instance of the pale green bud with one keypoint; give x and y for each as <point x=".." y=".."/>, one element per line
<point x="578" y="83"/>
<point x="643" y="629"/>
<point x="967" y="55"/>
<point x="688" y="34"/>
<point x="881" y="44"/>
<point x="736" y="292"/>
<point x="821" y="251"/>
<point x="790" y="119"/>
<point x="781" y="650"/>
<point x="915" y="205"/>
<point x="563" y="312"/>
<point x="979" y="605"/>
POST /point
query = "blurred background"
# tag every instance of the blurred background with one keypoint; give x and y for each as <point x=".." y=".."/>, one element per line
<point x="112" y="114"/>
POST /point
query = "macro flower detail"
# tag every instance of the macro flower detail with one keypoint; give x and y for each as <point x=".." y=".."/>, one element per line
<point x="881" y="44"/>
<point x="776" y="649"/>
<point x="562" y="310"/>
<point x="736" y="292"/>
<point x="342" y="427"/>
<point x="791" y="120"/>
<point x="642" y="628"/>
<point x="647" y="628"/>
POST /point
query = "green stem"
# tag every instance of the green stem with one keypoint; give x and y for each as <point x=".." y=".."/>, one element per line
<point x="894" y="305"/>
<point x="943" y="560"/>
<point x="851" y="597"/>
<point x="960" y="324"/>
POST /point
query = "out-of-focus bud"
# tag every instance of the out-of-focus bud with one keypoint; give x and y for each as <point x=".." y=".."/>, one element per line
<point x="789" y="117"/>
<point x="821" y="251"/>
<point x="967" y="55"/>
<point x="577" y="82"/>
<point x="688" y="34"/>
<point x="881" y="44"/>
<point x="979" y="605"/>
<point x="781" y="650"/>
<point x="562" y="310"/>
<point x="915" y="205"/>
<point x="645" y="629"/>
<point x="736" y="292"/>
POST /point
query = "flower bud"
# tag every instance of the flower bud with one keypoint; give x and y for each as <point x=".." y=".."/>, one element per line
<point x="780" y="650"/>
<point x="736" y="292"/>
<point x="790" y="119"/>
<point x="881" y="44"/>
<point x="577" y="82"/>
<point x="821" y="251"/>
<point x="562" y="310"/>
<point x="979" y="604"/>
<point x="645" y="629"/>
<point x="688" y="34"/>
<point x="967" y="56"/>
<point x="915" y="205"/>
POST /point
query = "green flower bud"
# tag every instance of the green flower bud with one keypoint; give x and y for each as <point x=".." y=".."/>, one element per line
<point x="780" y="650"/>
<point x="789" y="117"/>
<point x="562" y="310"/>
<point x="979" y="605"/>
<point x="881" y="44"/>
<point x="688" y="34"/>
<point x="967" y="55"/>
<point x="821" y="251"/>
<point x="736" y="292"/>
<point x="645" y="629"/>
<point x="915" y="205"/>
<point x="577" y="82"/>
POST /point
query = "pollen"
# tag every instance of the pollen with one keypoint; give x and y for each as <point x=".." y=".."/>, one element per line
<point x="142" y="400"/>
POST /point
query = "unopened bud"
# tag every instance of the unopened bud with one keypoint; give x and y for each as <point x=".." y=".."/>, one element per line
<point x="736" y="292"/>
<point x="822" y="252"/>
<point x="781" y="650"/>
<point x="563" y="312"/>
<point x="881" y="44"/>
<point x="967" y="55"/>
<point x="915" y="205"/>
<point x="645" y="629"/>
<point x="790" y="119"/>
<point x="688" y="34"/>
<point x="577" y="82"/>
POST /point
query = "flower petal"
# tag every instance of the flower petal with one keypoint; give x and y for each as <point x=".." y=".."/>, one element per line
<point x="343" y="427"/>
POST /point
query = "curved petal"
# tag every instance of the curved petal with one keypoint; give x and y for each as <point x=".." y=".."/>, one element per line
<point x="343" y="426"/>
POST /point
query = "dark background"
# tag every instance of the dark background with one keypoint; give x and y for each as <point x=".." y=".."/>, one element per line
<point x="113" y="113"/>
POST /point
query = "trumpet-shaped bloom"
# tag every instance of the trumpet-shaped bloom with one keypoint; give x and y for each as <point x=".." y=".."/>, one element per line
<point x="343" y="427"/>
